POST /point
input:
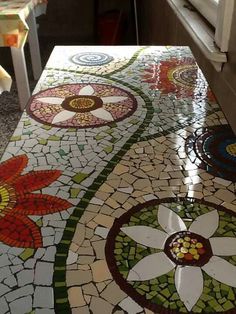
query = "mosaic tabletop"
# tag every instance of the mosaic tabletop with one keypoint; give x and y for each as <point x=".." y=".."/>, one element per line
<point x="13" y="26"/>
<point x="117" y="189"/>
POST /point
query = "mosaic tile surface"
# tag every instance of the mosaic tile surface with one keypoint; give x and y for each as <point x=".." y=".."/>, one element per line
<point x="115" y="194"/>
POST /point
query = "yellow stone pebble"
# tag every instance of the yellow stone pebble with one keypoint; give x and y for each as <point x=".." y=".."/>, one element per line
<point x="196" y="256"/>
<point x="180" y="240"/>
<point x="176" y="250"/>
<point x="184" y="250"/>
<point x="199" y="245"/>
<point x="186" y="244"/>
<point x="193" y="251"/>
<point x="187" y="239"/>
<point x="180" y="255"/>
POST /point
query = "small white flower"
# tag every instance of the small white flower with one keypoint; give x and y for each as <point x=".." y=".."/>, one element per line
<point x="189" y="280"/>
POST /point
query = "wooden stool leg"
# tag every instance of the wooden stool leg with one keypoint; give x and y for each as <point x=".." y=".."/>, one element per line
<point x="18" y="57"/>
<point x="34" y="46"/>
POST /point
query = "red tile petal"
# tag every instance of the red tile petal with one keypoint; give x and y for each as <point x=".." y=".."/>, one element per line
<point x="12" y="168"/>
<point x="20" y="231"/>
<point x="39" y="204"/>
<point x="35" y="180"/>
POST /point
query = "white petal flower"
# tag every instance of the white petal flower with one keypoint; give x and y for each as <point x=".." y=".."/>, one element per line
<point x="112" y="99"/>
<point x="51" y="100"/>
<point x="150" y="267"/>
<point x="169" y="220"/>
<point x="86" y="91"/>
<point x="188" y="277"/>
<point x="63" y="116"/>
<point x="221" y="270"/>
<point x="189" y="284"/>
<point x="147" y="236"/>
<point x="223" y="246"/>
<point x="102" y="113"/>
<point x="206" y="225"/>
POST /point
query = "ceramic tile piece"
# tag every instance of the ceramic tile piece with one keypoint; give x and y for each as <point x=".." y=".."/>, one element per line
<point x="225" y="195"/>
<point x="43" y="273"/>
<point x="113" y="294"/>
<point x="100" y="271"/>
<point x="104" y="220"/>
<point x="214" y="269"/>
<point x="189" y="285"/>
<point x="146" y="236"/>
<point x="90" y="289"/>
<point x="72" y="258"/>
<point x="99" y="305"/>
<point x="43" y="297"/>
<point x="130" y="306"/>
<point x="78" y="277"/>
<point x="75" y="296"/>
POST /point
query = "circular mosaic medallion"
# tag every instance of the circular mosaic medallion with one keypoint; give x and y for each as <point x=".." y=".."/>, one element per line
<point x="92" y="58"/>
<point x="214" y="149"/>
<point x="81" y="105"/>
<point x="184" y="75"/>
<point x="180" y="76"/>
<point x="176" y="256"/>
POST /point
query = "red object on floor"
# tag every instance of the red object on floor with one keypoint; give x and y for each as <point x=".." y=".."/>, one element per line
<point x="110" y="26"/>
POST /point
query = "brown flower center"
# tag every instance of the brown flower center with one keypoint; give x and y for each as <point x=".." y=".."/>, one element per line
<point x="82" y="103"/>
<point x="187" y="248"/>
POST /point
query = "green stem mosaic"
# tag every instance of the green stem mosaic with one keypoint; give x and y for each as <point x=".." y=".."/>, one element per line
<point x="59" y="280"/>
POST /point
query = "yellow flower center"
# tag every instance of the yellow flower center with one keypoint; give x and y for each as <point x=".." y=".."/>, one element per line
<point x="82" y="103"/>
<point x="184" y="75"/>
<point x="188" y="248"/>
<point x="231" y="149"/>
<point x="7" y="198"/>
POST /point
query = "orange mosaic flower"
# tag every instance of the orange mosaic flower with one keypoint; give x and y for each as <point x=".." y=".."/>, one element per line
<point x="17" y="202"/>
<point x="181" y="77"/>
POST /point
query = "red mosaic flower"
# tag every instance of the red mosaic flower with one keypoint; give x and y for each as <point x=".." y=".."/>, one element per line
<point x="179" y="76"/>
<point x="17" y="202"/>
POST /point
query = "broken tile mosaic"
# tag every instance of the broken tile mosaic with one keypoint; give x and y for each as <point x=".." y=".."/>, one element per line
<point x="115" y="165"/>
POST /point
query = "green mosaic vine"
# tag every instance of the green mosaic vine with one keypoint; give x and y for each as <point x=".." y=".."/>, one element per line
<point x="59" y="279"/>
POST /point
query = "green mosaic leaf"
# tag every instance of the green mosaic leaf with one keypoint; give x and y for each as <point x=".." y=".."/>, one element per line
<point x="26" y="254"/>
<point x="108" y="149"/>
<point x="79" y="177"/>
<point x="54" y="138"/>
<point x="46" y="127"/>
<point x="43" y="141"/>
<point x="27" y="122"/>
<point x="74" y="192"/>
<point x="15" y="138"/>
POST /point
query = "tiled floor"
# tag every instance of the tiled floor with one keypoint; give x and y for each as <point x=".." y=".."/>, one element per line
<point x="117" y="189"/>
